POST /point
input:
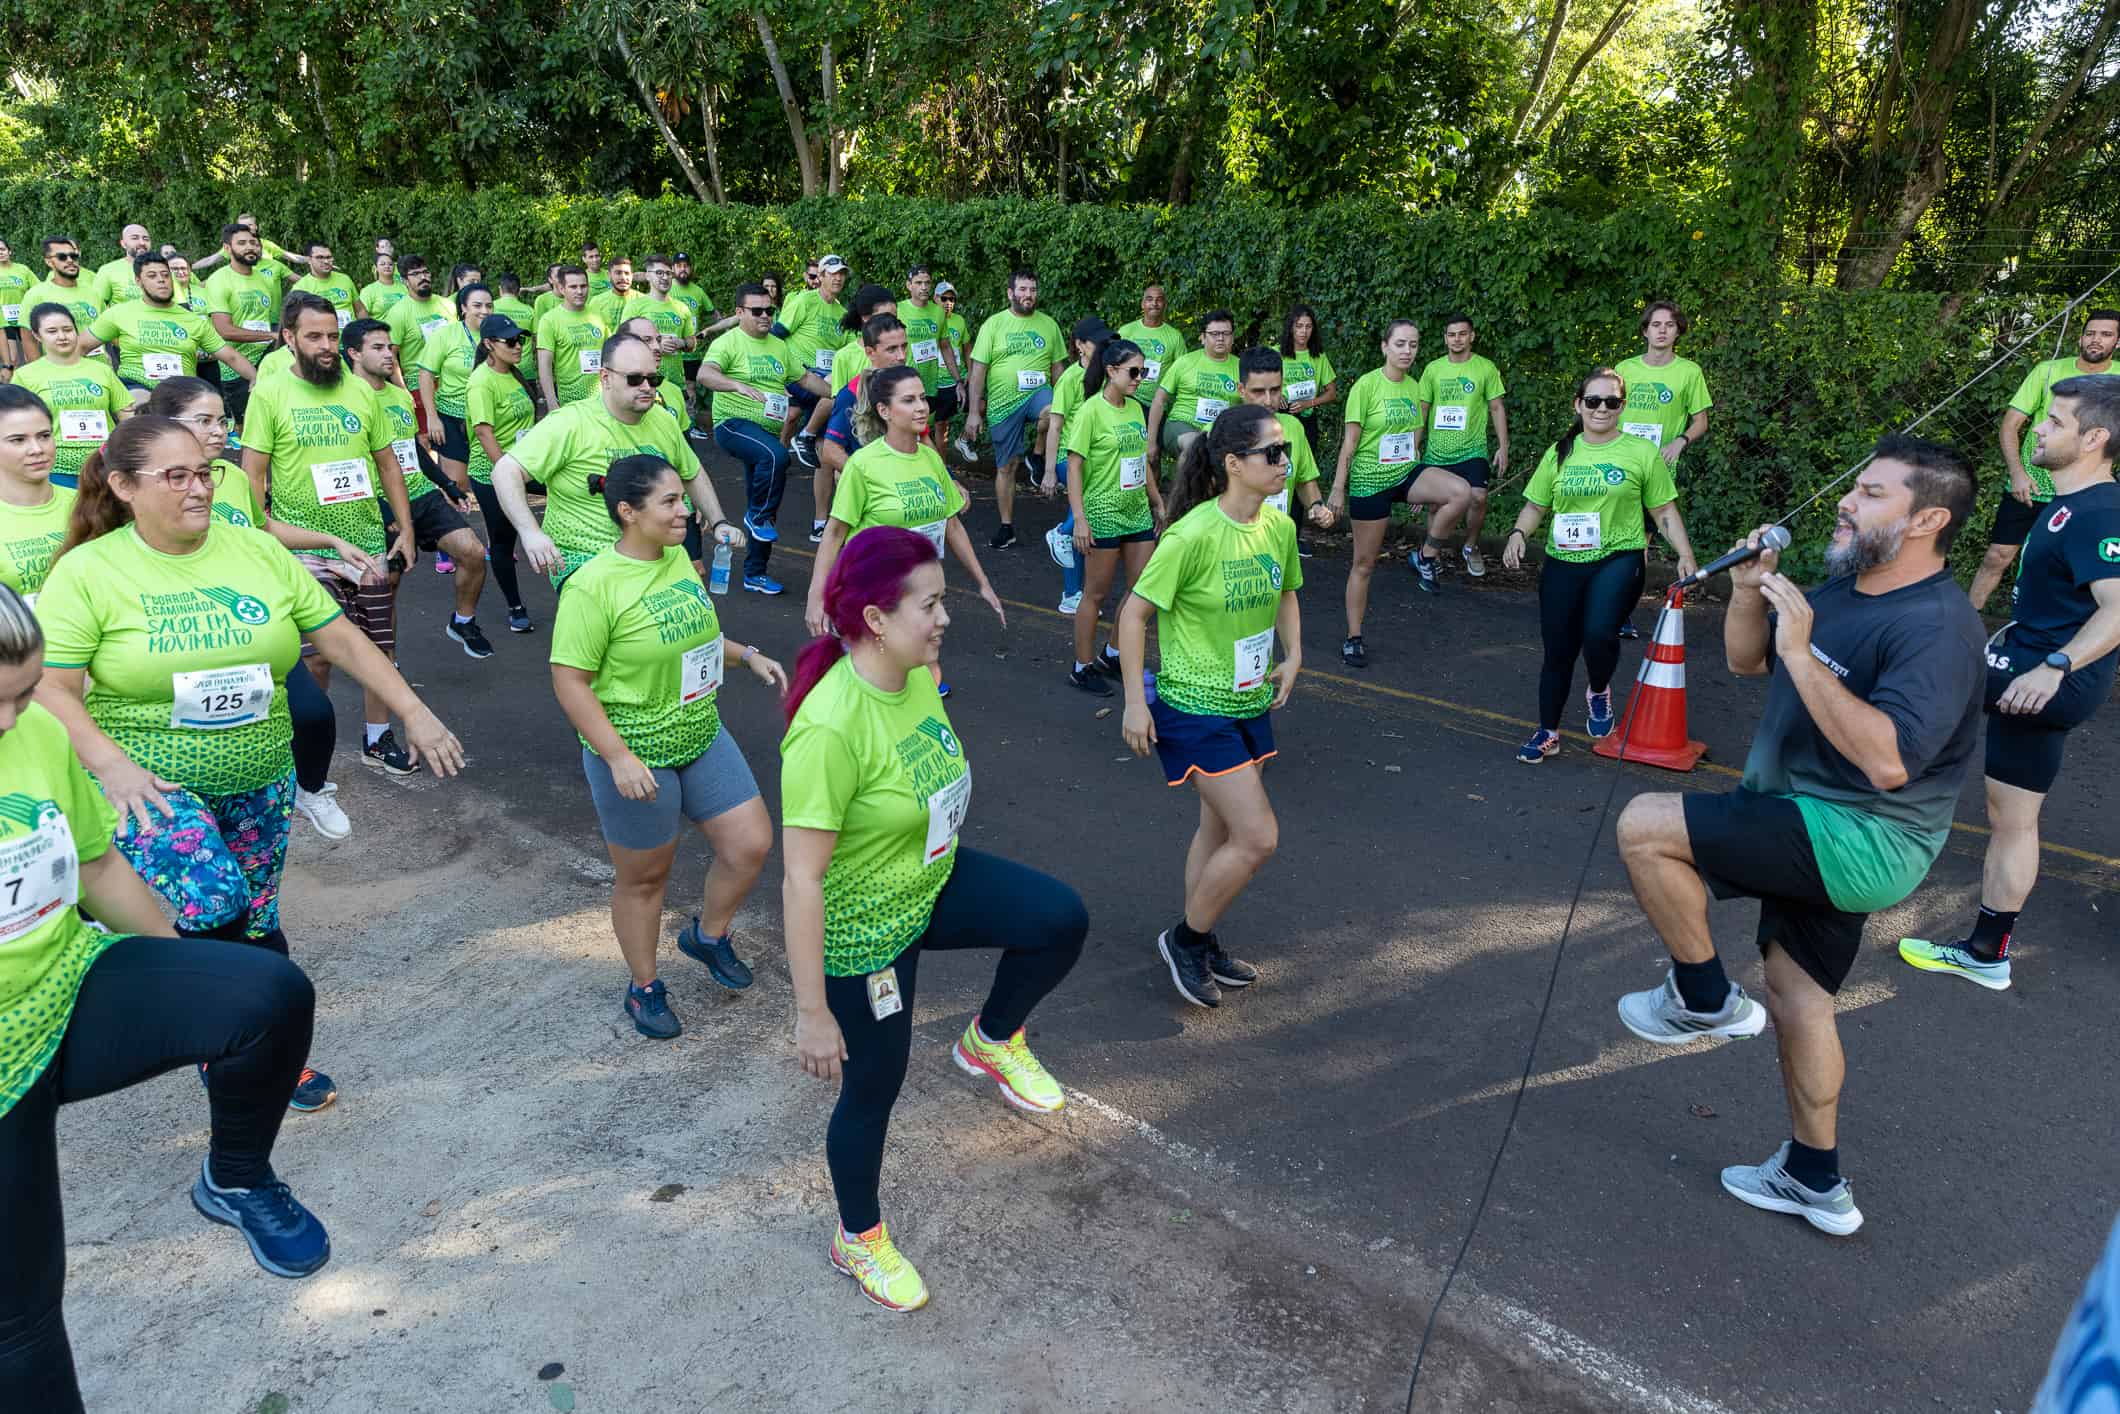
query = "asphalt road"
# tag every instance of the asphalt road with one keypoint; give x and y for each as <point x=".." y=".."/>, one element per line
<point x="1407" y="930"/>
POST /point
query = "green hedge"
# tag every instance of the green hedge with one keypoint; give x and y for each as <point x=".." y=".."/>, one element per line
<point x="1803" y="381"/>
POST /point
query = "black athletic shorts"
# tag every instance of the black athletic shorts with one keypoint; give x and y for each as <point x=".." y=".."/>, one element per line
<point x="1748" y="845"/>
<point x="1377" y="505"/>
<point x="2025" y="751"/>
<point x="1113" y="542"/>
<point x="942" y="408"/>
<point x="691" y="371"/>
<point x="1475" y="470"/>
<point x="2013" y="520"/>
<point x="456" y="439"/>
<point x="432" y="518"/>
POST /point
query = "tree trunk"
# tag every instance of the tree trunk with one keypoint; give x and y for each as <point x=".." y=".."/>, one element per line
<point x="1060" y="172"/>
<point x="789" y="105"/>
<point x="709" y="116"/>
<point x="662" y="124"/>
<point x="832" y="165"/>
<point x="1621" y="13"/>
<point x="1538" y="74"/>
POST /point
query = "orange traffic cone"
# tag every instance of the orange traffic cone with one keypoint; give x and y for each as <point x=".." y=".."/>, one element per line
<point x="1654" y="730"/>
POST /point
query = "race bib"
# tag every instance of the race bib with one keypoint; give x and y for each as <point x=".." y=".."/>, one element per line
<point x="592" y="360"/>
<point x="1208" y="409"/>
<point x="776" y="405"/>
<point x="1578" y="530"/>
<point x="1133" y="473"/>
<point x="934" y="531"/>
<point x="161" y="365"/>
<point x="408" y="453"/>
<point x="258" y="326"/>
<point x="885" y="999"/>
<point x="1151" y="370"/>
<point x="946" y="808"/>
<point x="1279" y="500"/>
<point x="1253" y="656"/>
<point x="1653" y="431"/>
<point x="11" y="313"/>
<point x="428" y="327"/>
<point x="91" y="426"/>
<point x="1029" y="380"/>
<point x="927" y="351"/>
<point x="39" y="875"/>
<point x="1395" y="449"/>
<point x="1304" y="391"/>
<point x="214" y="698"/>
<point x="342" y="481"/>
<point x="821" y="362"/>
<point x="344" y="318"/>
<point x="699" y="672"/>
<point x="1449" y="419"/>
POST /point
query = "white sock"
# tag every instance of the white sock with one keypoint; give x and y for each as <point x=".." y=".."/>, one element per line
<point x="456" y="618"/>
<point x="1080" y="666"/>
<point x="376" y="730"/>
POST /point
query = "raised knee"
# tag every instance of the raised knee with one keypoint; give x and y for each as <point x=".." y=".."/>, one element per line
<point x="1259" y="841"/>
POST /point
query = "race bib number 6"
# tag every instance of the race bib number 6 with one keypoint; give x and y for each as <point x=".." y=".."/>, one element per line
<point x="699" y="673"/>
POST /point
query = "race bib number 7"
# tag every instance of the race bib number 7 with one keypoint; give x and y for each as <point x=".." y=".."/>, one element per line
<point x="39" y="875"/>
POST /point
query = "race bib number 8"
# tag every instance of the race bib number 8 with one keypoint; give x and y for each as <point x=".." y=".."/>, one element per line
<point x="1578" y="530"/>
<point x="216" y="698"/>
<point x="1253" y="656"/>
<point x="1395" y="449"/>
<point x="342" y="481"/>
<point x="946" y="810"/>
<point x="39" y="875"/>
<point x="1652" y="431"/>
<point x="700" y="671"/>
<point x="1449" y="419"/>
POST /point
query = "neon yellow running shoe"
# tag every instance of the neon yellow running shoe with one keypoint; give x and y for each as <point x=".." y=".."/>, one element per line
<point x="1009" y="1064"/>
<point x="876" y="1266"/>
<point x="1956" y="959"/>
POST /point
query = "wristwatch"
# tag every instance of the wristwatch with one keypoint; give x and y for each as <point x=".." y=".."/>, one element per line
<point x="2061" y="663"/>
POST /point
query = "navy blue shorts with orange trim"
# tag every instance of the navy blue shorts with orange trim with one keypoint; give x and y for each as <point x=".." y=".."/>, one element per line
<point x="1212" y="746"/>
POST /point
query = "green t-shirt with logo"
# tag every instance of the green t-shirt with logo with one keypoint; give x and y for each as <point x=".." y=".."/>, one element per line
<point x="322" y="442"/>
<point x="53" y="819"/>
<point x="115" y="281"/>
<point x="1302" y="465"/>
<point x="1217" y="586"/>
<point x="379" y="299"/>
<point x="29" y="537"/>
<point x="155" y="345"/>
<point x="412" y="322"/>
<point x="582" y="440"/>
<point x="693" y="296"/>
<point x="576" y="344"/>
<point x="1456" y="396"/>
<point x="599" y="282"/>
<point x="1112" y="443"/>
<point x="278" y="362"/>
<point x="1305" y="375"/>
<point x="638" y="627"/>
<point x="394" y="406"/>
<point x="885" y="771"/>
<point x="2032" y="398"/>
<point x="497" y="399"/>
<point x="1019" y="354"/>
<point x="1067" y="393"/>
<point x="763" y="362"/>
<point x="235" y="502"/>
<point x="609" y="306"/>
<point x="1661" y="401"/>
<point x="546" y="302"/>
<point x="1194" y="384"/>
<point x="923" y="343"/>
<point x="960" y="336"/>
<point x="673" y="319"/>
<point x="814" y="334"/>
<point x="849" y="362"/>
<point x="335" y="287"/>
<point x="525" y="319"/>
<point x="86" y="400"/>
<point x="250" y="301"/>
<point x="15" y="280"/>
<point x="154" y="631"/>
<point x="1613" y="483"/>
<point x="1161" y="347"/>
<point x="80" y="300"/>
<point x="448" y="356"/>
<point x="882" y="486"/>
<point x="1390" y="415"/>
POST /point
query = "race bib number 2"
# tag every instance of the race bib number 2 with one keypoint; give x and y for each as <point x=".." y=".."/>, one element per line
<point x="1253" y="656"/>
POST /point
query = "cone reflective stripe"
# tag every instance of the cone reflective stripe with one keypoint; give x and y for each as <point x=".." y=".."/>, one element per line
<point x="1653" y="731"/>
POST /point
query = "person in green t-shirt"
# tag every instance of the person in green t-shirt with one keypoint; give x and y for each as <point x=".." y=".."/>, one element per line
<point x="184" y="291"/>
<point x="2030" y="486"/>
<point x="695" y="298"/>
<point x="63" y="286"/>
<point x="1380" y="466"/>
<point x="1262" y="382"/>
<point x="638" y="656"/>
<point x="874" y="789"/>
<point x="1008" y="389"/>
<point x="610" y="306"/>
<point x="1088" y="336"/>
<point x="15" y="280"/>
<point x="243" y="303"/>
<point x="593" y="269"/>
<point x="1461" y="396"/>
<point x="849" y="361"/>
<point x="117" y="281"/>
<point x="929" y="346"/>
<point x="883" y="344"/>
<point x="499" y="412"/>
<point x="158" y="340"/>
<point x="416" y="318"/>
<point x="1115" y="504"/>
<point x="1311" y="382"/>
<point x="752" y="373"/>
<point x="1195" y="388"/>
<point x="33" y="511"/>
<point x="380" y="295"/>
<point x="1221" y="584"/>
<point x="1667" y="396"/>
<point x="676" y="328"/>
<point x="86" y="1010"/>
<point x="508" y="299"/>
<point x="327" y="281"/>
<point x="1601" y="486"/>
<point x="570" y="342"/>
<point x="445" y="369"/>
<point x="1160" y="342"/>
<point x="84" y="395"/>
<point x="547" y="293"/>
<point x="816" y="324"/>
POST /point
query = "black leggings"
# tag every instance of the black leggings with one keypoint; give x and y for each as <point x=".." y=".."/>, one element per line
<point x="146" y="1006"/>
<point x="316" y="728"/>
<point x="988" y="903"/>
<point x="500" y="543"/>
<point x="1580" y="609"/>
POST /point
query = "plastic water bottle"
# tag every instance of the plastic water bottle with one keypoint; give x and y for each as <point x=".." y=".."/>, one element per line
<point x="719" y="582"/>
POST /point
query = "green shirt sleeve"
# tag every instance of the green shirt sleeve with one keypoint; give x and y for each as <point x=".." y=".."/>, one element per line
<point x="72" y="626"/>
<point x="1659" y="489"/>
<point x="581" y="630"/>
<point x="818" y="777"/>
<point x="850" y="499"/>
<point x="1697" y="399"/>
<point x="1167" y="568"/>
<point x="104" y="327"/>
<point x="2029" y="393"/>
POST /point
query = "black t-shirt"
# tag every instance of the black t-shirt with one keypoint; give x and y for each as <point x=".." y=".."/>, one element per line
<point x="1915" y="654"/>
<point x="2073" y="544"/>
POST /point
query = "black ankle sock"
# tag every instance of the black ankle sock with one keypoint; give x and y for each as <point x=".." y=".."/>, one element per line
<point x="1816" y="1169"/>
<point x="1185" y="937"/>
<point x="1702" y="986"/>
<point x="1991" y="934"/>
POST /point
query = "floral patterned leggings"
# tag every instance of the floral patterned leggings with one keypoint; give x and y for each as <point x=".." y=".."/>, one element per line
<point x="220" y="859"/>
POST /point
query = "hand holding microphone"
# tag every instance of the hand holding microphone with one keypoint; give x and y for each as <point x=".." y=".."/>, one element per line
<point x="1763" y="545"/>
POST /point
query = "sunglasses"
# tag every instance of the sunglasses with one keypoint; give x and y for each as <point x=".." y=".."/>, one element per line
<point x="634" y="380"/>
<point x="758" y="311"/>
<point x="1274" y="452"/>
<point x="1132" y="370"/>
<point x="514" y="343"/>
<point x="65" y="255"/>
<point x="1608" y="403"/>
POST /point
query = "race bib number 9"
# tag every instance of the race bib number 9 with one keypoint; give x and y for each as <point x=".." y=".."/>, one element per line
<point x="90" y="426"/>
<point x="39" y="875"/>
<point x="699" y="673"/>
<point x="1253" y="656"/>
<point x="216" y="698"/>
<point x="342" y="481"/>
<point x="1133" y="473"/>
<point x="946" y="811"/>
<point x="1395" y="449"/>
<point x="1578" y="530"/>
<point x="1449" y="419"/>
<point x="1652" y="431"/>
<point x="161" y="365"/>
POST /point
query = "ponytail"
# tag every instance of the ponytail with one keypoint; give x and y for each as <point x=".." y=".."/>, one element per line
<point x="97" y="509"/>
<point x="1203" y="472"/>
<point x="872" y="569"/>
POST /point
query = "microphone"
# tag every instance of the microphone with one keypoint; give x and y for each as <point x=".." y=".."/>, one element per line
<point x="1776" y="539"/>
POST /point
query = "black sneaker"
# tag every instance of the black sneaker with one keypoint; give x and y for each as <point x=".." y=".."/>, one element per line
<point x="1002" y="538"/>
<point x="1090" y="681"/>
<point x="469" y="635"/>
<point x="1353" y="654"/>
<point x="1107" y="664"/>
<point x="1189" y="971"/>
<point x="385" y="754"/>
<point x="1628" y="632"/>
<point x="1229" y="971"/>
<point x="805" y="450"/>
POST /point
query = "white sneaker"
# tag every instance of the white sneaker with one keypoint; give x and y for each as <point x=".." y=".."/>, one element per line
<point x="1070" y="602"/>
<point x="966" y="450"/>
<point x="322" y="810"/>
<point x="1060" y="544"/>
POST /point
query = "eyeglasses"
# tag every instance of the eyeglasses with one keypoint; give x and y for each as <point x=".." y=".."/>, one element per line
<point x="1609" y="403"/>
<point x="208" y="420"/>
<point x="182" y="478"/>
<point x="634" y="380"/>
<point x="1274" y="452"/>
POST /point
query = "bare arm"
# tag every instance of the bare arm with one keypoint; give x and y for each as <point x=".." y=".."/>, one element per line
<point x="1499" y="416"/>
<point x="1137" y="725"/>
<point x="1158" y="409"/>
<point x="835" y="540"/>
<point x="1350" y="438"/>
<point x="2012" y="438"/>
<point x="1746" y="633"/>
<point x="960" y="544"/>
<point x="120" y="898"/>
<point x="1288" y="625"/>
<point x="975" y="398"/>
<point x="132" y="790"/>
<point x="544" y="381"/>
<point x="407" y="547"/>
<point x="576" y="692"/>
<point x="2100" y="634"/>
<point x="1673" y="527"/>
<point x="243" y="367"/>
<point x="1864" y="734"/>
<point x="1515" y="551"/>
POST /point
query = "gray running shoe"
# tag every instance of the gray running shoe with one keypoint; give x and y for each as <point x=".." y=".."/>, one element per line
<point x="1770" y="1186"/>
<point x="1660" y="1015"/>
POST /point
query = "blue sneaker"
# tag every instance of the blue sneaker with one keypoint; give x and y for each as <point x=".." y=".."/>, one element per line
<point x="942" y="689"/>
<point x="763" y="584"/>
<point x="1542" y="744"/>
<point x="1424" y="569"/>
<point x="717" y="955"/>
<point x="760" y="530"/>
<point x="649" y="1008"/>
<point x="1600" y="707"/>
<point x="284" y="1236"/>
<point x="312" y="1092"/>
